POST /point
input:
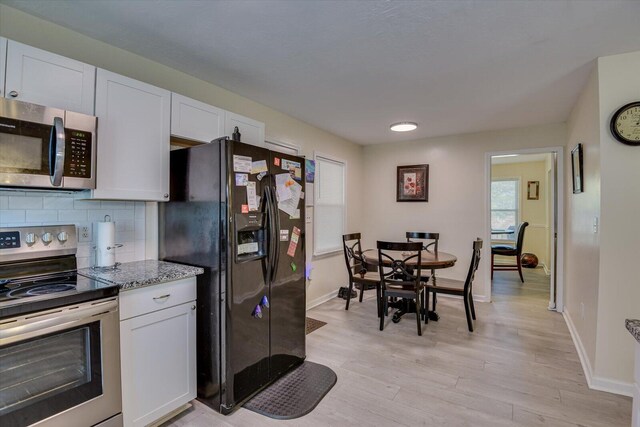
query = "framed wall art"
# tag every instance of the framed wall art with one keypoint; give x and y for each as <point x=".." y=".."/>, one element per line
<point x="533" y="190"/>
<point x="576" y="169"/>
<point x="412" y="183"/>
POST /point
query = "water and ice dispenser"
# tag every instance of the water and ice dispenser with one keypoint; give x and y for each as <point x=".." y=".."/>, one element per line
<point x="251" y="237"/>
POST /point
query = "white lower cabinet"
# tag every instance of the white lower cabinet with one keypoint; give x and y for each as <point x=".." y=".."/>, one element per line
<point x="158" y="350"/>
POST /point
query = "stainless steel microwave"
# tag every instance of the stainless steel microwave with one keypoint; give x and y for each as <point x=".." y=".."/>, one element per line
<point x="46" y="148"/>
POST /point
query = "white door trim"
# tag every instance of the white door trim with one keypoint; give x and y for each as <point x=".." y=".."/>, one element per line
<point x="559" y="255"/>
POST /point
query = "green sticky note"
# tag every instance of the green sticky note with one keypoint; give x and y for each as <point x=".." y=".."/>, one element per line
<point x="293" y="266"/>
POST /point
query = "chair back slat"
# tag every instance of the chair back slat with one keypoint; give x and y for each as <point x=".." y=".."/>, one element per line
<point x="425" y="236"/>
<point x="473" y="267"/>
<point x="520" y="241"/>
<point x="353" y="254"/>
<point x="397" y="270"/>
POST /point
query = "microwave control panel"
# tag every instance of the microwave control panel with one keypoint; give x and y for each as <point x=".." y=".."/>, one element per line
<point x="77" y="161"/>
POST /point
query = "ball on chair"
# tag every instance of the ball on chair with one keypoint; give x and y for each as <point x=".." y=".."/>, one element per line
<point x="529" y="260"/>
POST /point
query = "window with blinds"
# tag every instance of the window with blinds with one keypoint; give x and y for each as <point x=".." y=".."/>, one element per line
<point x="329" y="205"/>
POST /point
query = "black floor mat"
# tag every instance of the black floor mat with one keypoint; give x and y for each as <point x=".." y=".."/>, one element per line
<point x="295" y="394"/>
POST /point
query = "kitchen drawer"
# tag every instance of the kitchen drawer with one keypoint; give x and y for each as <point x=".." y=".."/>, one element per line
<point x="152" y="298"/>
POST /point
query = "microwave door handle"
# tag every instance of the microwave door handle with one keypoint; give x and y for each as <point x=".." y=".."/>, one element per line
<point x="56" y="152"/>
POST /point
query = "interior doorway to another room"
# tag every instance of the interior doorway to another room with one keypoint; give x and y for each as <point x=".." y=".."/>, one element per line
<point x="526" y="186"/>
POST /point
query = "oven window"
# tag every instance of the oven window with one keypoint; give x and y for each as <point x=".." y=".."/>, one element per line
<point x="49" y="374"/>
<point x="20" y="152"/>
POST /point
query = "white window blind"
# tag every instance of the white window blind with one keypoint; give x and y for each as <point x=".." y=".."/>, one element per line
<point x="505" y="200"/>
<point x="329" y="200"/>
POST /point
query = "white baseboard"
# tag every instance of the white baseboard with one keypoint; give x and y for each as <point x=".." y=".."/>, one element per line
<point x="322" y="299"/>
<point x="547" y="271"/>
<point x="595" y="382"/>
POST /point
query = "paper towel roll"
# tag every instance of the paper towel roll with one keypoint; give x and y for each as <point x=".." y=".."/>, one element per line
<point x="105" y="244"/>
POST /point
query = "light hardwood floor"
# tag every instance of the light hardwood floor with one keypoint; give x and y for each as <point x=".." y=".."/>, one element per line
<point x="518" y="368"/>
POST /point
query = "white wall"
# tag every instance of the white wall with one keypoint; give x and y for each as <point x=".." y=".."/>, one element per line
<point x="328" y="272"/>
<point x="582" y="245"/>
<point x="457" y="207"/>
<point x="19" y="209"/>
<point x="619" y="295"/>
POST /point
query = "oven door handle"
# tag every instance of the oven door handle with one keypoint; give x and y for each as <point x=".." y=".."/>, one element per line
<point x="56" y="151"/>
<point x="33" y="325"/>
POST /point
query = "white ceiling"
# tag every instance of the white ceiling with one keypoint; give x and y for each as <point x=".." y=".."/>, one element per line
<point x="355" y="67"/>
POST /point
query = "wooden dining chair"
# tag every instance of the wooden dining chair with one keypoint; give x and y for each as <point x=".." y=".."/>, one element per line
<point x="457" y="287"/>
<point x="509" y="250"/>
<point x="431" y="244"/>
<point x="359" y="276"/>
<point x="400" y="276"/>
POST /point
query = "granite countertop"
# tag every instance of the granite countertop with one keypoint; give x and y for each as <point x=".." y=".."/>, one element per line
<point x="131" y="275"/>
<point x="633" y="325"/>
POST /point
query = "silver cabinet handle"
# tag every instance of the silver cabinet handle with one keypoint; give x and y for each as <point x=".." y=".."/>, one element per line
<point x="13" y="94"/>
<point x="162" y="297"/>
<point x="193" y="307"/>
<point x="166" y="195"/>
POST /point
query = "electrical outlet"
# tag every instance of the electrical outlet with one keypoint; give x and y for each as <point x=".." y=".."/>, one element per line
<point x="84" y="233"/>
<point x="595" y="224"/>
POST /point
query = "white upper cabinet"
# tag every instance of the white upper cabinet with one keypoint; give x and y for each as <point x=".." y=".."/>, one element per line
<point x="133" y="139"/>
<point x="41" y="77"/>
<point x="3" y="62"/>
<point x="195" y="120"/>
<point x="251" y="131"/>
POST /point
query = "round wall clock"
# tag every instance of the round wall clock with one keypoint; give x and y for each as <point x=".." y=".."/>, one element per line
<point x="625" y="124"/>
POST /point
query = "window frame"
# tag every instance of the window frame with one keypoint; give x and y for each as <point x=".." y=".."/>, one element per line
<point x="318" y="155"/>
<point x="518" y="180"/>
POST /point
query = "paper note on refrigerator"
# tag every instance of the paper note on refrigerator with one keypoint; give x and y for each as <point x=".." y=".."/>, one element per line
<point x="241" y="164"/>
<point x="290" y="205"/>
<point x="293" y="244"/>
<point x="252" y="199"/>
<point x="283" y="185"/>
<point x="259" y="166"/>
<point x="242" y="179"/>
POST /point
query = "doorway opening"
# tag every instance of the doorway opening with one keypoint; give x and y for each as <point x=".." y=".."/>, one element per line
<point x="526" y="187"/>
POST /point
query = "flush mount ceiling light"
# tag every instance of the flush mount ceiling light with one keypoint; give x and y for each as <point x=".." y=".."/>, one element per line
<point x="403" y="126"/>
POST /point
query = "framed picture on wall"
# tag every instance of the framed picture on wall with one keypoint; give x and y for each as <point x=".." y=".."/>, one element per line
<point x="533" y="190"/>
<point x="412" y="183"/>
<point x="576" y="169"/>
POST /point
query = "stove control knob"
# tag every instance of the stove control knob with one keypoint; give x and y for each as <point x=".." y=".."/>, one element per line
<point x="63" y="236"/>
<point x="31" y="239"/>
<point x="47" y="238"/>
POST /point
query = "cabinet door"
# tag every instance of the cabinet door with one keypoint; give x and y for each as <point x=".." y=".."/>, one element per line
<point x="251" y="131"/>
<point x="158" y="354"/>
<point x="3" y="62"/>
<point x="133" y="139"/>
<point x="195" y="120"/>
<point x="41" y="77"/>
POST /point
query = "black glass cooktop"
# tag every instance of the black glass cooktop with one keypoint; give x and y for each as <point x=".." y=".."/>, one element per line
<point x="19" y="296"/>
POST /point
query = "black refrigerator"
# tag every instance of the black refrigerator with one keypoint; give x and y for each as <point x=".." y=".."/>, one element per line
<point x="237" y="210"/>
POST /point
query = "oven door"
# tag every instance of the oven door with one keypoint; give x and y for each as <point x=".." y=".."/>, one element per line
<point x="61" y="367"/>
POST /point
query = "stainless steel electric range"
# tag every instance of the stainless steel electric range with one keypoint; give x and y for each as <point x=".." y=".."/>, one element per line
<point x="59" y="334"/>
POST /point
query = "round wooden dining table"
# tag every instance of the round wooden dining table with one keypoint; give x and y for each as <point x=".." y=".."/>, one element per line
<point x="429" y="260"/>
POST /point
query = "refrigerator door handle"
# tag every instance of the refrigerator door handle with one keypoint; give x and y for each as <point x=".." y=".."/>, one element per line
<point x="276" y="254"/>
<point x="273" y="235"/>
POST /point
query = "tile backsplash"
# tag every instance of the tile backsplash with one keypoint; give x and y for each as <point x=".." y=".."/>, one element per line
<point x="43" y="208"/>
